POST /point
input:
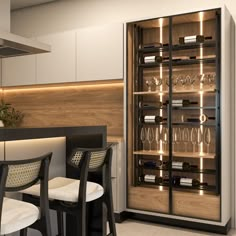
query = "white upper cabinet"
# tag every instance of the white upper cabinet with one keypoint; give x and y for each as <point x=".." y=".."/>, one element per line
<point x="19" y="70"/>
<point x="100" y="53"/>
<point x="59" y="65"/>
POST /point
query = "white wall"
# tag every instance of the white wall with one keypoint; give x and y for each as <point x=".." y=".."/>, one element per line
<point x="71" y="14"/>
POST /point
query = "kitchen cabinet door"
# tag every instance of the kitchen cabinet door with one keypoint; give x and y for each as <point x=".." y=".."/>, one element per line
<point x="59" y="65"/>
<point x="100" y="53"/>
<point x="19" y="70"/>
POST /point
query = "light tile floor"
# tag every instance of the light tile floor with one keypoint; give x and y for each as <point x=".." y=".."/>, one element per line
<point x="139" y="228"/>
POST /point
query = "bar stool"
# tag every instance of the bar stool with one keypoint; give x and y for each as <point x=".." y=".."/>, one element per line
<point x="72" y="195"/>
<point x="16" y="215"/>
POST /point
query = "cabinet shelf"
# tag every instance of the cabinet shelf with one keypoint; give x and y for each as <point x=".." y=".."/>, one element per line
<point x="177" y="47"/>
<point x="176" y="154"/>
<point x="179" y="63"/>
<point x="191" y="170"/>
<point x="209" y="188"/>
<point x="182" y="91"/>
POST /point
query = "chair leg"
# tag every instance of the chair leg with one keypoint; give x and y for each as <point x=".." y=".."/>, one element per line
<point x="60" y="223"/>
<point x="81" y="221"/>
<point x="23" y="232"/>
<point x="110" y="213"/>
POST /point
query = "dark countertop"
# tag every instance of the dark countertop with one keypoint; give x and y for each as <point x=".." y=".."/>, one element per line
<point x="9" y="134"/>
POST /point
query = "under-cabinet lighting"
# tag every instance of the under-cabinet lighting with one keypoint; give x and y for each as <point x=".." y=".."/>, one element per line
<point x="43" y="88"/>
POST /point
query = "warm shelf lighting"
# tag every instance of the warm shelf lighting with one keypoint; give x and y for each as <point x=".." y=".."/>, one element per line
<point x="61" y="87"/>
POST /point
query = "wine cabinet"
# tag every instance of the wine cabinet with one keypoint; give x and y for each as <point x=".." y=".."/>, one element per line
<point x="178" y="116"/>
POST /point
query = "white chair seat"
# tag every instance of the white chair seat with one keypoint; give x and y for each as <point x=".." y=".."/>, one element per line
<point x="17" y="215"/>
<point x="66" y="189"/>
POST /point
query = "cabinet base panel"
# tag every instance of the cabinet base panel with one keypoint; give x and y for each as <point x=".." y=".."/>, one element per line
<point x="180" y="223"/>
<point x="122" y="216"/>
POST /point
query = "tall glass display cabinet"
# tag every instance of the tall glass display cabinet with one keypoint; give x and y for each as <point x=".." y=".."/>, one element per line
<point x="180" y="119"/>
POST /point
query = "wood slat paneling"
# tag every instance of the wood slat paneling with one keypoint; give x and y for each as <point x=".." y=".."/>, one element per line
<point x="196" y="205"/>
<point x="71" y="106"/>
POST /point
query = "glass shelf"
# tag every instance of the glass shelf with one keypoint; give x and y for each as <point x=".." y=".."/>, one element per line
<point x="166" y="92"/>
<point x="176" y="154"/>
<point x="177" y="47"/>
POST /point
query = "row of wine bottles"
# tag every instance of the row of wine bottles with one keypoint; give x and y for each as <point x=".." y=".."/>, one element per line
<point x="156" y="119"/>
<point x="182" y="40"/>
<point x="175" y="180"/>
<point x="160" y="59"/>
<point x="175" y="103"/>
<point x="178" y="165"/>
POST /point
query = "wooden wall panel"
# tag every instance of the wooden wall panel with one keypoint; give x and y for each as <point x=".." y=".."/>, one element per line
<point x="68" y="106"/>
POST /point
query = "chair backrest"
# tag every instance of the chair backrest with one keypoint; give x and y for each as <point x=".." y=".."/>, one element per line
<point x="87" y="160"/>
<point x="98" y="157"/>
<point x="22" y="174"/>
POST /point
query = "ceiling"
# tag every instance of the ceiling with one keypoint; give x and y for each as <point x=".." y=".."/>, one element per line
<point x="17" y="4"/>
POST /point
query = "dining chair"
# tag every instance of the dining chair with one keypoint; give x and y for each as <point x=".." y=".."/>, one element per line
<point x="17" y="215"/>
<point x="73" y="196"/>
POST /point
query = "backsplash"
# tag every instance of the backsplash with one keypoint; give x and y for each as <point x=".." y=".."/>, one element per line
<point x="70" y="106"/>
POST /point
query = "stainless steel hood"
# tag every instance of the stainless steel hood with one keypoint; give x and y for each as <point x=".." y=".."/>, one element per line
<point x="12" y="45"/>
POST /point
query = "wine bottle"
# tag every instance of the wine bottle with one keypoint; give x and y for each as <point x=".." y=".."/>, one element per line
<point x="182" y="103"/>
<point x="192" y="39"/>
<point x="152" y="59"/>
<point x="191" y="182"/>
<point x="152" y="119"/>
<point x="179" y="165"/>
<point x="150" y="179"/>
<point x="196" y="118"/>
<point x="150" y="163"/>
<point x="151" y="106"/>
<point x="152" y="45"/>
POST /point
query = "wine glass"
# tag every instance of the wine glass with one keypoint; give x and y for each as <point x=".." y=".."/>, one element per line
<point x="199" y="137"/>
<point x="192" y="80"/>
<point x="174" y="138"/>
<point x="185" y="137"/>
<point x="207" y="138"/>
<point x="164" y="137"/>
<point x="143" y="136"/>
<point x="194" y="137"/>
<point x="157" y="82"/>
<point x="174" y="82"/>
<point x="177" y="137"/>
<point x="150" y="137"/>
<point x="182" y="80"/>
<point x="149" y="84"/>
<point x="157" y="137"/>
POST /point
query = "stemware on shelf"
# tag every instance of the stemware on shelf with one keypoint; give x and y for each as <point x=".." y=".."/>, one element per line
<point x="199" y="138"/>
<point x="150" y="137"/>
<point x="149" y="83"/>
<point x="207" y="138"/>
<point x="143" y="136"/>
<point x="157" y="81"/>
<point x="194" y="138"/>
<point x="185" y="138"/>
<point x="157" y="137"/>
<point x="164" y="138"/>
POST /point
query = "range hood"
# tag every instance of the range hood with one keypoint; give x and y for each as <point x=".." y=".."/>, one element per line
<point x="12" y="45"/>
